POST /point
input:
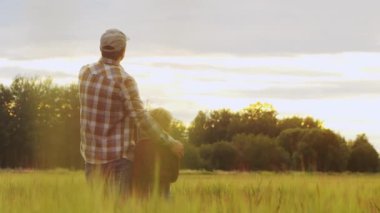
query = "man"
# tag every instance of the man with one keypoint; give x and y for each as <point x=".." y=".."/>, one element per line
<point x="111" y="113"/>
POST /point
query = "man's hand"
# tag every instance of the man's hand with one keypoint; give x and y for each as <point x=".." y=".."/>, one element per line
<point x="177" y="149"/>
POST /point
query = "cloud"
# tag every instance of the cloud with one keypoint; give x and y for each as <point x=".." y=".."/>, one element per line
<point x="255" y="70"/>
<point x="12" y="72"/>
<point x="311" y="90"/>
<point x="243" y="27"/>
<point x="372" y="70"/>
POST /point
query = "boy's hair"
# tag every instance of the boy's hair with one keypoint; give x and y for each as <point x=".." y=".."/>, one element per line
<point x="162" y="117"/>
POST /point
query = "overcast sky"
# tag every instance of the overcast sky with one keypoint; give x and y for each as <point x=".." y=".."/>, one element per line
<point x="46" y="28"/>
<point x="318" y="58"/>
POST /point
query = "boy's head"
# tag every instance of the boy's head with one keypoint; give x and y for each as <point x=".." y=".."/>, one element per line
<point x="162" y="117"/>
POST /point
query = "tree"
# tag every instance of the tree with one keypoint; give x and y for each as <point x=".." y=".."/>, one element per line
<point x="322" y="150"/>
<point x="363" y="157"/>
<point x="43" y="124"/>
<point x="258" y="118"/>
<point x="217" y="124"/>
<point x="299" y="122"/>
<point x="27" y="95"/>
<point x="206" y="152"/>
<point x="289" y="140"/>
<point x="210" y="127"/>
<point x="261" y="152"/>
<point x="178" y="130"/>
<point x="39" y="127"/>
<point x="224" y="156"/>
<point x="67" y="127"/>
<point x="312" y="123"/>
<point x="197" y="129"/>
<point x="5" y="119"/>
<point x="191" y="158"/>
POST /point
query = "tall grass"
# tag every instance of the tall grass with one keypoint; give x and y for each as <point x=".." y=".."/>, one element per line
<point x="67" y="191"/>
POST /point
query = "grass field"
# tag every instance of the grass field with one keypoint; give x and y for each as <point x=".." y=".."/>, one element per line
<point x="67" y="191"/>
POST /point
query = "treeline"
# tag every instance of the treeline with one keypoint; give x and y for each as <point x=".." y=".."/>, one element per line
<point x="39" y="125"/>
<point x="255" y="139"/>
<point x="39" y="128"/>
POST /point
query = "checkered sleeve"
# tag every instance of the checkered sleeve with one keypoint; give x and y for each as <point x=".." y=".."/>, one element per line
<point x="134" y="105"/>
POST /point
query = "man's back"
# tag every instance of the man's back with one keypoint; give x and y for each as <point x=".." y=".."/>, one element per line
<point x="106" y="130"/>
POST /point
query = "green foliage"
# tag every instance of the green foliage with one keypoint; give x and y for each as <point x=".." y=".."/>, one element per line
<point x="178" y="130"/>
<point x="5" y="128"/>
<point x="322" y="150"/>
<point x="264" y="142"/>
<point x="206" y="154"/>
<point x="39" y="127"/>
<point x="43" y="124"/>
<point x="259" y="118"/>
<point x="219" y="125"/>
<point x="224" y="156"/>
<point x="260" y="152"/>
<point x="314" y="149"/>
<point x="363" y="157"/>
<point x="298" y="122"/>
<point x="289" y="140"/>
<point x="191" y="159"/>
<point x="198" y="129"/>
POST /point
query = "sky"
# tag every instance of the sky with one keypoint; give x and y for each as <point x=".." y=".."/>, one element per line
<point x="306" y="58"/>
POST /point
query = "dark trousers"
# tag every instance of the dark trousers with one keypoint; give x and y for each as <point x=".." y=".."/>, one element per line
<point x="116" y="175"/>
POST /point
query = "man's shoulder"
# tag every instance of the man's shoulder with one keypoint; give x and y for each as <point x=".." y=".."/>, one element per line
<point x="115" y="73"/>
<point x="125" y="75"/>
<point x="121" y="75"/>
<point x="89" y="67"/>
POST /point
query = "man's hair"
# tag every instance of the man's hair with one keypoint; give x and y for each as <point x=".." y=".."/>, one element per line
<point x="113" y="55"/>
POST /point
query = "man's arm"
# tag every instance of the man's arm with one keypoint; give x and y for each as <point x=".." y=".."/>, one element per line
<point x="134" y="105"/>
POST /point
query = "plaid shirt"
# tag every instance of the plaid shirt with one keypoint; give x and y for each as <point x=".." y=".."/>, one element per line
<point x="111" y="112"/>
